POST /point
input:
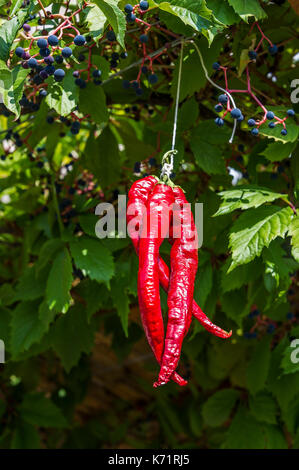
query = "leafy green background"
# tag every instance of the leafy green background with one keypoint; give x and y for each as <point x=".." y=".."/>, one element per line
<point x="78" y="371"/>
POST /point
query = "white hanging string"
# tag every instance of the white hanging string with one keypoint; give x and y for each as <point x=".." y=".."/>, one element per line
<point x="167" y="160"/>
<point x="215" y="85"/>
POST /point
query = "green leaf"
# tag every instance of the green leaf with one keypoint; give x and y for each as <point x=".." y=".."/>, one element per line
<point x="31" y="284"/>
<point x="25" y="437"/>
<point x="59" y="282"/>
<point x="15" y="5"/>
<point x="72" y="335"/>
<point x="8" y="32"/>
<point x="11" y="86"/>
<point x="93" y="259"/>
<point x="216" y="410"/>
<point x="207" y="157"/>
<point x="264" y="408"/>
<point x="203" y="283"/>
<point x="26" y="327"/>
<point x="240" y="276"/>
<point x="247" y="8"/>
<point x="294" y="233"/>
<point x="115" y="17"/>
<point x="274" y="438"/>
<point x="47" y="253"/>
<point x="63" y="96"/>
<point x="38" y="410"/>
<point x="258" y="367"/>
<point x="234" y="305"/>
<point x="192" y="69"/>
<point x="254" y="230"/>
<point x="244" y="432"/>
<point x="246" y="197"/>
<point x="96" y="20"/>
<point x="105" y="169"/>
<point x="191" y="13"/>
<point x="223" y="12"/>
<point x="5" y="317"/>
<point x="93" y="102"/>
<point x="277" y="151"/>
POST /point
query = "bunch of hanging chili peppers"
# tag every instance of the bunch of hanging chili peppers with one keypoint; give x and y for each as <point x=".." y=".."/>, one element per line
<point x="156" y="211"/>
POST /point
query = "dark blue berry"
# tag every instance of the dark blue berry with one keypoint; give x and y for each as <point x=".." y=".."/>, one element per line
<point x="251" y="122"/>
<point x="222" y="99"/>
<point x="96" y="73"/>
<point x="280" y="169"/>
<point x="32" y="63"/>
<point x="271" y="125"/>
<point x="240" y="159"/>
<point x="111" y="36"/>
<point x="126" y="84"/>
<point x="26" y="27"/>
<point x="236" y="113"/>
<point x="42" y="43"/>
<point x="124" y="55"/>
<point x="49" y="60"/>
<point x="66" y="52"/>
<point x="128" y="8"/>
<point x="218" y="108"/>
<point x="273" y="49"/>
<point x="50" y="119"/>
<point x="43" y="93"/>
<point x="137" y="167"/>
<point x="153" y="78"/>
<point x="44" y="52"/>
<point x="113" y="64"/>
<point x="43" y="74"/>
<point x="135" y="84"/>
<point x="79" y="82"/>
<point x="284" y="132"/>
<point x="290" y="112"/>
<point x="59" y="75"/>
<point x="139" y="91"/>
<point x="53" y="40"/>
<point x="143" y="38"/>
<point x="254" y="131"/>
<point x="241" y="118"/>
<point x="58" y="59"/>
<point x="216" y="66"/>
<point x="143" y="5"/>
<point x="271" y="328"/>
<point x="76" y="74"/>
<point x="50" y="69"/>
<point x="25" y="55"/>
<point x="270" y="115"/>
<point x="252" y="55"/>
<point x="3" y="157"/>
<point x="219" y="122"/>
<point x="144" y="69"/>
<point x="97" y="82"/>
<point x="79" y="40"/>
<point x="19" y="51"/>
<point x="115" y="56"/>
<point x="130" y="18"/>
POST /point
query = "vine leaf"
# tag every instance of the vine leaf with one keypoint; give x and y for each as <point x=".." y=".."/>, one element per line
<point x="115" y="17"/>
<point x="93" y="259"/>
<point x="247" y="8"/>
<point x="8" y="32"/>
<point x="59" y="283"/>
<point x="255" y="229"/>
<point x="294" y="233"/>
<point x="11" y="86"/>
<point x="217" y="408"/>
<point x="63" y="96"/>
<point x="246" y="197"/>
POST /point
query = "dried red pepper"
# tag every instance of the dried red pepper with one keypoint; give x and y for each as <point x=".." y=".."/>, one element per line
<point x="138" y="196"/>
<point x="159" y="202"/>
<point x="184" y="260"/>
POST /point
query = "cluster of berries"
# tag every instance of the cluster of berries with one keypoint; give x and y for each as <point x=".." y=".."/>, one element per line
<point x="131" y="16"/>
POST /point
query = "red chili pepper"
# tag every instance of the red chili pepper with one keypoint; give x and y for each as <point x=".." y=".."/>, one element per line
<point x="148" y="279"/>
<point x="138" y="196"/>
<point x="184" y="260"/>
